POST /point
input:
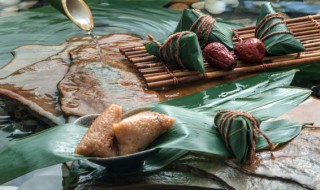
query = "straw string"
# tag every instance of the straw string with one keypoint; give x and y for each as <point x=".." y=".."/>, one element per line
<point x="271" y="26"/>
<point x="173" y="76"/>
<point x="237" y="35"/>
<point x="264" y="21"/>
<point x="264" y="66"/>
<point x="168" y="44"/>
<point x="204" y="29"/>
<point x="316" y="23"/>
<point x="226" y="121"/>
<point x="275" y="33"/>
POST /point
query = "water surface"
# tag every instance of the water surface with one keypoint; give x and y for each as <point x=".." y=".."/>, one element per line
<point x="47" y="26"/>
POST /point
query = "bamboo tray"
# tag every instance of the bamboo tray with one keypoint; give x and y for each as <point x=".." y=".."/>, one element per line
<point x="158" y="75"/>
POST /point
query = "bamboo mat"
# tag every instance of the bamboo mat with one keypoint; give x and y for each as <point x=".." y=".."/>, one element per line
<point x="158" y="75"/>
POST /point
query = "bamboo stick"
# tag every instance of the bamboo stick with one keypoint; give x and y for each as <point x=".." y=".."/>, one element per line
<point x="301" y="30"/>
<point x="301" y="19"/>
<point x="146" y="58"/>
<point x="311" y="41"/>
<point x="298" y="35"/>
<point x="301" y="37"/>
<point x="181" y="73"/>
<point x="170" y="82"/>
<point x="138" y="55"/>
<point x="134" y="52"/>
<point x="315" y="44"/>
<point x="307" y="38"/>
<point x="149" y="65"/>
<point x="289" y="22"/>
<point x="207" y="67"/>
<point x="157" y="69"/>
<point x="237" y="71"/>
<point x="134" y="48"/>
<point x="302" y="55"/>
<point x="296" y="28"/>
<point x="313" y="49"/>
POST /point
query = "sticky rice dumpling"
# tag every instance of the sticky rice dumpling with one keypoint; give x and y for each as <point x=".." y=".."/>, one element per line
<point x="275" y="34"/>
<point x="136" y="132"/>
<point x="181" y="49"/>
<point x="99" y="140"/>
<point x="239" y="130"/>
<point x="207" y="28"/>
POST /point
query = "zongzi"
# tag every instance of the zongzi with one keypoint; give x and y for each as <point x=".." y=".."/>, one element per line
<point x="207" y="28"/>
<point x="136" y="132"/>
<point x="274" y="33"/>
<point x="240" y="131"/>
<point x="181" y="49"/>
<point x="99" y="140"/>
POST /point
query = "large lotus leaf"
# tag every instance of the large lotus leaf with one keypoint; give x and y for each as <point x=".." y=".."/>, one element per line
<point x="279" y="44"/>
<point x="193" y="131"/>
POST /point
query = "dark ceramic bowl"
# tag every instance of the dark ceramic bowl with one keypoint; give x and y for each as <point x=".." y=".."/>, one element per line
<point x="118" y="163"/>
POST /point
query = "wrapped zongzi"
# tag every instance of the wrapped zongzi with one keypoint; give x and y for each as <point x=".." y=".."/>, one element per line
<point x="207" y="28"/>
<point x="181" y="48"/>
<point x="274" y="33"/>
<point x="240" y="131"/>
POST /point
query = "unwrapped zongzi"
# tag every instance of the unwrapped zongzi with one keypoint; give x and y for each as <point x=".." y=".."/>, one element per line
<point x="136" y="132"/>
<point x="274" y="33"/>
<point x="99" y="140"/>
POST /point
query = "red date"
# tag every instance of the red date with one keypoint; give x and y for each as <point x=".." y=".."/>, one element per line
<point x="251" y="50"/>
<point x="218" y="55"/>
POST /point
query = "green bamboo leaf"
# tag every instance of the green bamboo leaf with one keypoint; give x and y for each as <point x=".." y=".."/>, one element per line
<point x="270" y="104"/>
<point x="46" y="148"/>
<point x="217" y="95"/>
<point x="193" y="130"/>
<point x="277" y="130"/>
<point x="278" y="44"/>
<point x="221" y="32"/>
<point x="188" y="49"/>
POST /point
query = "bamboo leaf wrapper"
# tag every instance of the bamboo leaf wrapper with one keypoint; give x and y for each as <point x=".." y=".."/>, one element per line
<point x="275" y="34"/>
<point x="220" y="31"/>
<point x="181" y="49"/>
<point x="239" y="130"/>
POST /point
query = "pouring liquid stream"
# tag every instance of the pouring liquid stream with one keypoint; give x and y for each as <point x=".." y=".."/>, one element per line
<point x="100" y="51"/>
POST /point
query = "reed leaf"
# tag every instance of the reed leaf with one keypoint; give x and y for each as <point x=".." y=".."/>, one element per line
<point x="193" y="130"/>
